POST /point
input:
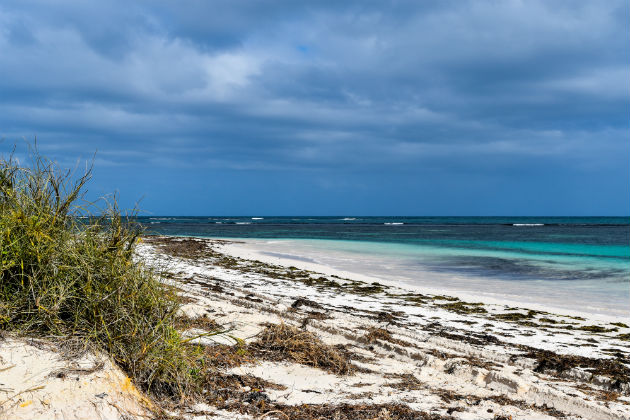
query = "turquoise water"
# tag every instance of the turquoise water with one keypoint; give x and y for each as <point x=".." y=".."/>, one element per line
<point x="594" y="286"/>
<point x="583" y="261"/>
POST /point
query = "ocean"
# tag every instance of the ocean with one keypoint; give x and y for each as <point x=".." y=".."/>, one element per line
<point x="579" y="263"/>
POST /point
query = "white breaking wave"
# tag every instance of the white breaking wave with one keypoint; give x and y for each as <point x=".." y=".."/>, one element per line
<point x="349" y="218"/>
<point x="243" y="223"/>
<point x="393" y="223"/>
<point x="257" y="218"/>
<point x="528" y="224"/>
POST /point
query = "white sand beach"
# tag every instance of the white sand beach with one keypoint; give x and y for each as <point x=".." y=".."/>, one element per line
<point x="434" y="355"/>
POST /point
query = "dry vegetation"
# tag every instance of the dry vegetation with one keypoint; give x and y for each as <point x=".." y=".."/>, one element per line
<point x="285" y="342"/>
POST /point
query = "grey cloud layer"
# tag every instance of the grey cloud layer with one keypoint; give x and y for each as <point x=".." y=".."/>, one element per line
<point x="262" y="85"/>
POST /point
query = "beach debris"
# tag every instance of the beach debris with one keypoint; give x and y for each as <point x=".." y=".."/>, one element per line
<point x="286" y="342"/>
<point x="458" y="357"/>
<point x="551" y="362"/>
<point x="182" y="247"/>
<point x="376" y="335"/>
<point x="304" y="302"/>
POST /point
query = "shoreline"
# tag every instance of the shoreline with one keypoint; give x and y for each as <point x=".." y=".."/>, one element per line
<point x="441" y="356"/>
<point x="255" y="249"/>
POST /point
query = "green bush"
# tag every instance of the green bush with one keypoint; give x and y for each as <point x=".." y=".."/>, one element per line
<point x="66" y="275"/>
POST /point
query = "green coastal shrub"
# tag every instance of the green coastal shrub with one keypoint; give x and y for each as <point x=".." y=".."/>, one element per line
<point x="65" y="275"/>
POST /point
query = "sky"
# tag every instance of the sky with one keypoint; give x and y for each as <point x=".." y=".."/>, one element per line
<point x="329" y="107"/>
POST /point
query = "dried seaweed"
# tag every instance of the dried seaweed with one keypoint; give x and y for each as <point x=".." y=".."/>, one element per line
<point x="284" y="342"/>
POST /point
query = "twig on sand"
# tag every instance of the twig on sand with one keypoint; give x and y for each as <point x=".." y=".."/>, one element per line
<point x="272" y="412"/>
<point x="204" y="335"/>
<point x="35" y="388"/>
<point x="62" y="373"/>
<point x="7" y="368"/>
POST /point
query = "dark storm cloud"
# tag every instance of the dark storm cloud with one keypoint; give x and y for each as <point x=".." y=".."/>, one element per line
<point x="452" y="89"/>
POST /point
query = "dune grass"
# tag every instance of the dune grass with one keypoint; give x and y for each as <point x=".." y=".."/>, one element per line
<point x="65" y="276"/>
